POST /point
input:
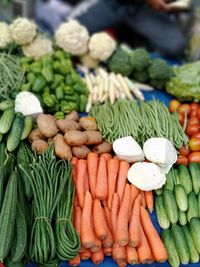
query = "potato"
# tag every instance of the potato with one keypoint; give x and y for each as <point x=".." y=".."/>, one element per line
<point x="62" y="150"/>
<point x="47" y="125"/>
<point x="88" y="123"/>
<point x="39" y="146"/>
<point x="80" y="152"/>
<point x="75" y="138"/>
<point x="104" y="147"/>
<point x="74" y="116"/>
<point x="65" y="125"/>
<point x="35" y="135"/>
<point x="94" y="137"/>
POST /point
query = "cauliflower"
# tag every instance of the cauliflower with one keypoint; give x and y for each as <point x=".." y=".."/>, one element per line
<point x="101" y="46"/>
<point x="72" y="37"/>
<point x="23" y="31"/>
<point x="5" y="35"/>
<point x="89" y="62"/>
<point x="39" y="47"/>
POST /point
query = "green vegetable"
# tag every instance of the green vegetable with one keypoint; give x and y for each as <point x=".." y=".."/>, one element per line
<point x="28" y="125"/>
<point x="68" y="90"/>
<point x="72" y="98"/>
<point x="47" y="61"/>
<point x="192" y="206"/>
<point x="36" y="67"/>
<point x="81" y="89"/>
<point x="170" y="206"/>
<point x="24" y="60"/>
<point x="83" y="103"/>
<point x="26" y="87"/>
<point x="38" y="84"/>
<point x="67" y="107"/>
<point x="182" y="218"/>
<point x="161" y="213"/>
<point x="140" y="76"/>
<point x="59" y="54"/>
<point x="31" y="77"/>
<point x="139" y="59"/>
<point x="59" y="115"/>
<point x="194" y="256"/>
<point x="59" y="92"/>
<point x="158" y="84"/>
<point x="185" y="178"/>
<point x="194" y="173"/>
<point x="6" y="104"/>
<point x="181" y="197"/>
<point x="169" y="181"/>
<point x="159" y="70"/>
<point x="195" y="232"/>
<point x="47" y="72"/>
<point x="57" y="80"/>
<point x="6" y="120"/>
<point x="159" y="191"/>
<point x="48" y="99"/>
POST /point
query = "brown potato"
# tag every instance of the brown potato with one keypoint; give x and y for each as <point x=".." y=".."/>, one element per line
<point x="74" y="116"/>
<point x="62" y="150"/>
<point x="88" y="123"/>
<point x="65" y="125"/>
<point x="80" y="152"/>
<point x="35" y="135"/>
<point x="39" y="146"/>
<point x="104" y="147"/>
<point x="47" y="125"/>
<point x="94" y="137"/>
<point x="75" y="138"/>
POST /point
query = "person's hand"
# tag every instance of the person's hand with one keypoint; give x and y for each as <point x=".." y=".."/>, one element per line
<point x="159" y="5"/>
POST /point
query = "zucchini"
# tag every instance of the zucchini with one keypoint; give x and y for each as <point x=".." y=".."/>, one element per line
<point x="28" y="124"/>
<point x="15" y="133"/>
<point x="194" y="255"/>
<point x="180" y="243"/>
<point x="195" y="232"/>
<point x="192" y="206"/>
<point x="6" y="120"/>
<point x="168" y="241"/>
<point x="182" y="217"/>
<point x="161" y="213"/>
<point x="181" y="197"/>
<point x="185" y="179"/>
<point x="159" y="191"/>
<point x="169" y="181"/>
<point x="6" y="104"/>
<point x="194" y="173"/>
<point x="170" y="206"/>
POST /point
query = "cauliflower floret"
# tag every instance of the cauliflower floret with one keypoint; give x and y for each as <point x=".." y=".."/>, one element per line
<point x="23" y="31"/>
<point x="101" y="46"/>
<point x="5" y="35"/>
<point x="72" y="37"/>
<point x="89" y="62"/>
<point x="39" y="47"/>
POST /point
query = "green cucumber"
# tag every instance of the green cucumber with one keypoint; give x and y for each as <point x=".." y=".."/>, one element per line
<point x="195" y="232"/>
<point x="176" y="176"/>
<point x="6" y="120"/>
<point x="180" y="243"/>
<point x="161" y="213"/>
<point x="159" y="191"/>
<point x="182" y="217"/>
<point x="194" y="255"/>
<point x="181" y="197"/>
<point x="168" y="241"/>
<point x="185" y="178"/>
<point x="28" y="125"/>
<point x="10" y="263"/>
<point x="170" y="206"/>
<point x="194" y="173"/>
<point x="192" y="206"/>
<point x="169" y="181"/>
<point x="6" y="104"/>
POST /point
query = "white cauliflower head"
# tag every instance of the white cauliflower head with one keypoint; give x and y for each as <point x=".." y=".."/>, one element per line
<point x="40" y="46"/>
<point x="23" y="31"/>
<point x="101" y="46"/>
<point x="5" y="35"/>
<point x="72" y="37"/>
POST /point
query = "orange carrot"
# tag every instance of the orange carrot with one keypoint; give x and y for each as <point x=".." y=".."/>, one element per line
<point x="87" y="234"/>
<point x="107" y="251"/>
<point x="76" y="261"/>
<point x="121" y="235"/>
<point x="108" y="218"/>
<point x="101" y="190"/>
<point x="113" y="167"/>
<point x="119" y="253"/>
<point x="108" y="242"/>
<point x="85" y="255"/>
<point x="74" y="161"/>
<point x="80" y="181"/>
<point x="97" y="245"/>
<point x="134" y="192"/>
<point x="107" y="156"/>
<point x="144" y="204"/>
<point x="75" y="200"/>
<point x="122" y="264"/>
<point x="149" y="200"/>
<point x="114" y="212"/>
<point x="77" y="219"/>
<point x="104" y="203"/>
<point x="87" y="186"/>
<point x="132" y="256"/>
<point x="121" y="180"/>
<point x="134" y="226"/>
<point x="98" y="257"/>
<point x="92" y="165"/>
<point x="157" y="247"/>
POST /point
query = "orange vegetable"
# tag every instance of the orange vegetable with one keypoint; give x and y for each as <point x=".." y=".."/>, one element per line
<point x="144" y="204"/>
<point x="92" y="165"/>
<point x="101" y="190"/>
<point x="134" y="192"/>
<point x="107" y="156"/>
<point x="98" y="257"/>
<point x="121" y="180"/>
<point x="87" y="186"/>
<point x="80" y="181"/>
<point x="74" y="161"/>
<point x="132" y="255"/>
<point x="76" y="261"/>
<point x="108" y="218"/>
<point x="119" y="253"/>
<point x="108" y="242"/>
<point x="114" y="212"/>
<point x="107" y="251"/>
<point x="85" y="255"/>
<point x="77" y="220"/>
<point x="149" y="200"/>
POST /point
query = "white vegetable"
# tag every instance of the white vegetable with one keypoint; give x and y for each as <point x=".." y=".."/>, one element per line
<point x="89" y="62"/>
<point x="126" y="148"/>
<point x="124" y="86"/>
<point x="146" y="176"/>
<point x="134" y="88"/>
<point x="5" y="35"/>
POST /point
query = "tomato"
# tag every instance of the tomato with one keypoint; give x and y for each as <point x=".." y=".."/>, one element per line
<point x="181" y="119"/>
<point x="193" y="113"/>
<point x="184" y="109"/>
<point x="174" y="105"/>
<point x="196" y="135"/>
<point x="198" y="113"/>
<point x="192" y="129"/>
<point x="194" y="106"/>
<point x="194" y="157"/>
<point x="193" y="121"/>
<point x="184" y="151"/>
<point x="194" y="144"/>
<point x="182" y="160"/>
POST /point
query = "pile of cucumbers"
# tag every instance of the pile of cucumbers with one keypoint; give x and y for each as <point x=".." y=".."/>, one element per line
<point x="14" y="127"/>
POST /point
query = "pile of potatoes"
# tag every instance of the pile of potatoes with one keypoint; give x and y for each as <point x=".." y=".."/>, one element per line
<point x="71" y="136"/>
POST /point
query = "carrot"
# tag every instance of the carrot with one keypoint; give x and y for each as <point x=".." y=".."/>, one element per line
<point x="134" y="226"/>
<point x="114" y="212"/>
<point x="143" y="250"/>
<point x="122" y="264"/>
<point x="97" y="245"/>
<point x="76" y="261"/>
<point x="87" y="186"/>
<point x="92" y="165"/>
<point x="80" y="181"/>
<point x="87" y="234"/>
<point x="149" y="200"/>
<point x="101" y="190"/>
<point x="119" y="253"/>
<point x="108" y="218"/>
<point x="132" y="256"/>
<point x="75" y="200"/>
<point x="104" y="203"/>
<point x="107" y="156"/>
<point x="77" y="219"/>
<point x="107" y="251"/>
<point x="108" y="242"/>
<point x="113" y="167"/>
<point x="85" y="255"/>
<point x="98" y="257"/>
<point x="144" y="204"/>
<point x="121" y="180"/>
<point x="134" y="192"/>
<point x="121" y="235"/>
<point x="157" y="247"/>
<point x="74" y="161"/>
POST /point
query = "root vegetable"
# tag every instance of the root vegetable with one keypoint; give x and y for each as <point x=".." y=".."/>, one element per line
<point x="47" y="125"/>
<point x="88" y="123"/>
<point x="35" y="135"/>
<point x="39" y="146"/>
<point x="75" y="138"/>
<point x="94" y="138"/>
<point x="80" y="152"/>
<point x="65" y="125"/>
<point x="74" y="116"/>
<point x="104" y="147"/>
<point x="62" y="150"/>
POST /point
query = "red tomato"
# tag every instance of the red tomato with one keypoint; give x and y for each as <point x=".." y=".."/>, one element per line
<point x="194" y="157"/>
<point x="184" y="151"/>
<point x="192" y="129"/>
<point x="193" y="113"/>
<point x="196" y="135"/>
<point x="184" y="109"/>
<point x="194" y="106"/>
<point x="194" y="144"/>
<point x="182" y="160"/>
<point x="198" y="113"/>
<point x="181" y="118"/>
<point x="193" y="121"/>
<point x="174" y="105"/>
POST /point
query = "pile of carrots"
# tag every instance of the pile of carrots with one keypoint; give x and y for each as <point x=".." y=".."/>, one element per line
<point x="110" y="214"/>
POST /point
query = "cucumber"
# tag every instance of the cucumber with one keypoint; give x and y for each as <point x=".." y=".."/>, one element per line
<point x="185" y="178"/>
<point x="170" y="206"/>
<point x="10" y="263"/>
<point x="6" y="104"/>
<point x="161" y="213"/>
<point x="176" y="176"/>
<point x="6" y="120"/>
<point x="182" y="217"/>
<point x="28" y="124"/>
<point x="194" y="173"/>
<point x="170" y="181"/>
<point x="15" y="133"/>
<point x="168" y="241"/>
<point x="192" y="206"/>
<point x="194" y="255"/>
<point x="180" y="243"/>
<point x="181" y="197"/>
<point x="195" y="232"/>
<point x="159" y="191"/>
<point x="2" y="172"/>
